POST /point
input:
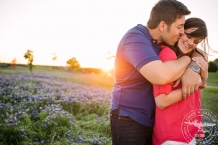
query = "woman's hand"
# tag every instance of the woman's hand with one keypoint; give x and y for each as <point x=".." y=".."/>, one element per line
<point x="202" y="62"/>
<point x="176" y="83"/>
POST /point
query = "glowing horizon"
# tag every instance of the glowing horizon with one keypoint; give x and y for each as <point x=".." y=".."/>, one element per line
<point x="87" y="30"/>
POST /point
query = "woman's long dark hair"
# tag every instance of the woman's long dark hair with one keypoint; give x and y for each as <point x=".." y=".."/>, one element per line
<point x="200" y="32"/>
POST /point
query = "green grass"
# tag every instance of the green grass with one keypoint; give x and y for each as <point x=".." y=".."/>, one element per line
<point x="210" y="100"/>
<point x="210" y="94"/>
<point x="212" y="79"/>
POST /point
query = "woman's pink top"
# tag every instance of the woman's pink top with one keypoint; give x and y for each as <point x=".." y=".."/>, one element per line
<point x="169" y="122"/>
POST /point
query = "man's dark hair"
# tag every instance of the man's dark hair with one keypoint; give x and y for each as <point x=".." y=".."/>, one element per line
<point x="168" y="11"/>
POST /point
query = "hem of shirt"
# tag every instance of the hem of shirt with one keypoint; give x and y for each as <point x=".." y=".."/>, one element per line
<point x="147" y="124"/>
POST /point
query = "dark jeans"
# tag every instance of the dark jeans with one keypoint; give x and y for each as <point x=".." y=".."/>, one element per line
<point x="126" y="131"/>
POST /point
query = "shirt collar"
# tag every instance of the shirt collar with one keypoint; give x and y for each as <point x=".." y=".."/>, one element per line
<point x="154" y="41"/>
<point x="145" y="30"/>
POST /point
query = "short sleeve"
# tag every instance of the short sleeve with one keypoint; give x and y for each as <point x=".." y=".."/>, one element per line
<point x="138" y="50"/>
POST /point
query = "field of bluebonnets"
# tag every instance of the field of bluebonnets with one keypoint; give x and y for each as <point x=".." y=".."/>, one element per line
<point x="61" y="108"/>
<point x="52" y="108"/>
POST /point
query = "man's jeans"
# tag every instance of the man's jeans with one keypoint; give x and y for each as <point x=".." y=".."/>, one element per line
<point x="126" y="131"/>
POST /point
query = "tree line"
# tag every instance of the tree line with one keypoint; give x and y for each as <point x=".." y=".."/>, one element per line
<point x="213" y="66"/>
<point x="74" y="65"/>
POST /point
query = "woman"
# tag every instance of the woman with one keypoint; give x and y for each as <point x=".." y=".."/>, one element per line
<point x="171" y="108"/>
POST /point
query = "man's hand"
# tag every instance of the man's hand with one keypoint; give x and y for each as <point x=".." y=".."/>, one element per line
<point x="191" y="81"/>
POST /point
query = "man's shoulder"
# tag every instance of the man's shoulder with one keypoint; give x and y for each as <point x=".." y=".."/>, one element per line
<point x="138" y="33"/>
<point x="139" y="28"/>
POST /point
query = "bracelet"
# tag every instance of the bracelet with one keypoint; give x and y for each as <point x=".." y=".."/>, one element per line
<point x="203" y="86"/>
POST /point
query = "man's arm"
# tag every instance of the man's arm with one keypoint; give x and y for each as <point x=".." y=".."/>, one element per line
<point x="160" y="73"/>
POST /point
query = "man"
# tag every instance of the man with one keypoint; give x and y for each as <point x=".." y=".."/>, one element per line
<point x="137" y="67"/>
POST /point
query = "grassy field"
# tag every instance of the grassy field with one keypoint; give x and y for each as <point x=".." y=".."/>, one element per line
<point x="209" y="94"/>
<point x="53" y="107"/>
<point x="213" y="79"/>
<point x="210" y="100"/>
<point x="102" y="80"/>
<point x="90" y="109"/>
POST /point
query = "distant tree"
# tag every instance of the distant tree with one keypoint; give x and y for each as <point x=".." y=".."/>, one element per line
<point x="212" y="67"/>
<point x="29" y="56"/>
<point x="13" y="62"/>
<point x="216" y="61"/>
<point x="73" y="64"/>
<point x="110" y="56"/>
<point x="54" y="58"/>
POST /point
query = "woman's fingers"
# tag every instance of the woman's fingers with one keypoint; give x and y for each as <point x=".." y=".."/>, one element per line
<point x="201" y="62"/>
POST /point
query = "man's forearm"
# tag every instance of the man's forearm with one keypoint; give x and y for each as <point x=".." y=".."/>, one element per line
<point x="177" y="68"/>
<point x="161" y="73"/>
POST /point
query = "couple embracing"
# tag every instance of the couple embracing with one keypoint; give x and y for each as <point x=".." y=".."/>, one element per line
<point x="159" y="74"/>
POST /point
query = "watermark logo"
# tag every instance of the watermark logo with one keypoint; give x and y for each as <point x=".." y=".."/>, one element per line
<point x="201" y="121"/>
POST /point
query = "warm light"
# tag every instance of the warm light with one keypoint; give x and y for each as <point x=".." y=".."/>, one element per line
<point x="89" y="31"/>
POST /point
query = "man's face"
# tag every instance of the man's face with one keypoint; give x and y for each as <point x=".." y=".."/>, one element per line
<point x="171" y="35"/>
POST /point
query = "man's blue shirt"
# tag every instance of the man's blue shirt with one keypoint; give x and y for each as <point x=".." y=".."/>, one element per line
<point x="132" y="93"/>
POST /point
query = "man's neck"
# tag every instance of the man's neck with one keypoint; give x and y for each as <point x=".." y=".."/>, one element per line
<point x="155" y="33"/>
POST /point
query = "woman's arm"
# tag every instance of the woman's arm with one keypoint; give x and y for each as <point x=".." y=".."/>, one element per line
<point x="164" y="100"/>
<point x="200" y="58"/>
<point x="202" y="63"/>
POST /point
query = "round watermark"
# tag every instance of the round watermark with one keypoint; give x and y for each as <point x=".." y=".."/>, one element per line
<point x="201" y="121"/>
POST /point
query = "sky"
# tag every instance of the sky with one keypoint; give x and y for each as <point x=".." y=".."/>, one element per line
<point x="89" y="30"/>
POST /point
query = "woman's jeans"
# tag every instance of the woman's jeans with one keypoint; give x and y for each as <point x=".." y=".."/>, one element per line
<point x="126" y="131"/>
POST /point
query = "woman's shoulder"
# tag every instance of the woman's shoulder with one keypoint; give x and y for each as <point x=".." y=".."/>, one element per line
<point x="165" y="48"/>
<point x="167" y="53"/>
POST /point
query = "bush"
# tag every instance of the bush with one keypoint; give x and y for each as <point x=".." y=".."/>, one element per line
<point x="212" y="67"/>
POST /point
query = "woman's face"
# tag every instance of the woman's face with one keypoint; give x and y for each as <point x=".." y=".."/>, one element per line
<point x="187" y="43"/>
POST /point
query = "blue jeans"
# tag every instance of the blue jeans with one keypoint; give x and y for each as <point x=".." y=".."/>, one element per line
<point x="126" y="131"/>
